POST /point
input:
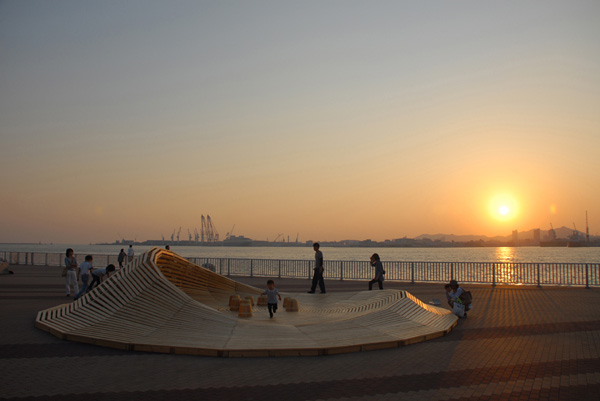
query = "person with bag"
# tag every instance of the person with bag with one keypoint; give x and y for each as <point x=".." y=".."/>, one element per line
<point x="459" y="299"/>
<point x="379" y="272"/>
<point x="71" y="272"/>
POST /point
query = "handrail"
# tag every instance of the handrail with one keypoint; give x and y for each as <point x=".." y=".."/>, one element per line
<point x="540" y="274"/>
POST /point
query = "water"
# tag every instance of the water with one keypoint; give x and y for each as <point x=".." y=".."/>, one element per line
<point x="487" y="254"/>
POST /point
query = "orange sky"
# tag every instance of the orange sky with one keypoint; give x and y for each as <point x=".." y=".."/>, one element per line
<point x="368" y="121"/>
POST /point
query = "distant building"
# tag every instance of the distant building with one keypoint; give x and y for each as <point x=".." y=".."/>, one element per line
<point x="536" y="235"/>
<point x="515" y="236"/>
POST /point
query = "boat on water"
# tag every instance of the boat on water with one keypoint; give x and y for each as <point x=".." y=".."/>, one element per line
<point x="237" y="240"/>
<point x="558" y="242"/>
<point x="582" y="243"/>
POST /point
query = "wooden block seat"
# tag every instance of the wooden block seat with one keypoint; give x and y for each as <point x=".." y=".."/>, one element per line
<point x="160" y="302"/>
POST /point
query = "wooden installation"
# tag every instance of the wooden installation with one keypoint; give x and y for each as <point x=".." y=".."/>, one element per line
<point x="292" y="305"/>
<point x="161" y="302"/>
<point x="262" y="300"/>
<point x="245" y="308"/>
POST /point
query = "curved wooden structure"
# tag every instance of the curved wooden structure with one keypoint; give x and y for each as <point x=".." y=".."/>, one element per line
<point x="162" y="303"/>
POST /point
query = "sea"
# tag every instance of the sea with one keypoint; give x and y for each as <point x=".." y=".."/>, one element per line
<point x="479" y="254"/>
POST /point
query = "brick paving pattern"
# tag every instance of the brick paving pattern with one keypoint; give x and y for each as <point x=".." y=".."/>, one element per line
<point x="518" y="343"/>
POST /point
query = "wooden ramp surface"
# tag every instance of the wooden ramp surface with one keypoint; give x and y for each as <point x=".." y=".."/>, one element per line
<point x="160" y="302"/>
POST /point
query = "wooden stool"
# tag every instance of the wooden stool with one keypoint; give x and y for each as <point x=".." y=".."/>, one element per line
<point x="286" y="302"/>
<point x="251" y="299"/>
<point x="245" y="309"/>
<point x="234" y="302"/>
<point x="292" y="306"/>
<point x="262" y="300"/>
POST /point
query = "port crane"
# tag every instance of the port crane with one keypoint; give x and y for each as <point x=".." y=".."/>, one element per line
<point x="552" y="232"/>
<point x="208" y="232"/>
<point x="587" y="228"/>
<point x="230" y="233"/>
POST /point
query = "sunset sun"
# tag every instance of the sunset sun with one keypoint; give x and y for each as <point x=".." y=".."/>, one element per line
<point x="503" y="207"/>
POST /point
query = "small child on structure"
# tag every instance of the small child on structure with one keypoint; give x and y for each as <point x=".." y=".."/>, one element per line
<point x="272" y="295"/>
<point x="98" y="275"/>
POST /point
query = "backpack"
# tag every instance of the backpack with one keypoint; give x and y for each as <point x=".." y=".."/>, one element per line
<point x="466" y="298"/>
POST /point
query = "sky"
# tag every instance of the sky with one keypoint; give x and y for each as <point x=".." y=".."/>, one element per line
<point x="322" y="120"/>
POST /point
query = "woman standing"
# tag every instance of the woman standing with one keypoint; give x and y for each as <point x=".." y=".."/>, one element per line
<point x="379" y="272"/>
<point x="71" y="277"/>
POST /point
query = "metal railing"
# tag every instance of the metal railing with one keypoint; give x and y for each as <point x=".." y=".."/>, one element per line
<point x="554" y="274"/>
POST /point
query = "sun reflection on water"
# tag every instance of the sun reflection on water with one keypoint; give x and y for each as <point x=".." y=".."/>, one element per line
<point x="505" y="254"/>
<point x="507" y="273"/>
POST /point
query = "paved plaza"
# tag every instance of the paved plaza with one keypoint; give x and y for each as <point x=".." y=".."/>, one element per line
<point x="518" y="343"/>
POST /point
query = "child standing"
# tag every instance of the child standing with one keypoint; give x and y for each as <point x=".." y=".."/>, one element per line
<point x="272" y="295"/>
<point x="85" y="269"/>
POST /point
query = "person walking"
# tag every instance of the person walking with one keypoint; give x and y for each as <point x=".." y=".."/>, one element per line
<point x="379" y="272"/>
<point x="121" y="258"/>
<point x="318" y="271"/>
<point x="71" y="276"/>
<point x="130" y="254"/>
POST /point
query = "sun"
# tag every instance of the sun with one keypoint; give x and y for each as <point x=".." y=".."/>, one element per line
<point x="503" y="207"/>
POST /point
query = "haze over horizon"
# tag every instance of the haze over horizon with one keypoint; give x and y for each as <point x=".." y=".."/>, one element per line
<point x="333" y="120"/>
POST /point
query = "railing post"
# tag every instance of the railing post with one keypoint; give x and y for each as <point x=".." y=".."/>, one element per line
<point x="451" y="271"/>
<point x="107" y="260"/>
<point x="538" y="275"/>
<point x="493" y="274"/>
<point x="46" y="264"/>
<point x="251" y="267"/>
<point x="279" y="268"/>
<point x="587" y="276"/>
<point x="341" y="270"/>
<point x="412" y="272"/>
<point x="308" y="269"/>
<point x="228" y="268"/>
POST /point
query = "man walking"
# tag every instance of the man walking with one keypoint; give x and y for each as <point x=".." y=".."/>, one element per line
<point x="130" y="254"/>
<point x="318" y="275"/>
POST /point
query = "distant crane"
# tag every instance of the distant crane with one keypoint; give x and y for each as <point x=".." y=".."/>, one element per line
<point x="203" y="229"/>
<point x="276" y="238"/>
<point x="196" y="235"/>
<point x="213" y="235"/>
<point x="552" y="232"/>
<point x="208" y="232"/>
<point x="587" y="228"/>
<point x="230" y="233"/>
<point x="189" y="235"/>
<point x="173" y="235"/>
<point x="178" y="232"/>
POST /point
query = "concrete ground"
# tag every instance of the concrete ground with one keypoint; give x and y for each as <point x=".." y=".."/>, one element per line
<point x="518" y="343"/>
